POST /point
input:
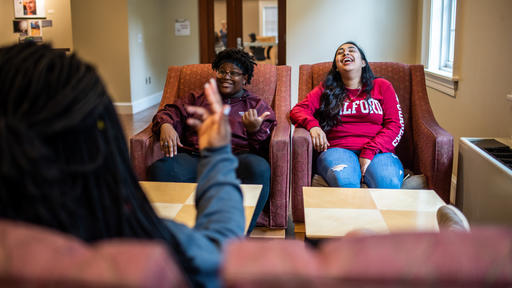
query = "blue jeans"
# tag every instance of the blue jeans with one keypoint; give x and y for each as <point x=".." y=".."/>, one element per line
<point x="252" y="169"/>
<point x="340" y="168"/>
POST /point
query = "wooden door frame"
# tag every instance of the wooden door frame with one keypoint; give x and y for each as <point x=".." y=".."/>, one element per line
<point x="206" y="38"/>
<point x="234" y="14"/>
<point x="206" y="25"/>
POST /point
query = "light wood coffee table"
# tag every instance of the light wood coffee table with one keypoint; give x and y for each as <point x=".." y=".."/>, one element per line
<point x="175" y="201"/>
<point x="332" y="212"/>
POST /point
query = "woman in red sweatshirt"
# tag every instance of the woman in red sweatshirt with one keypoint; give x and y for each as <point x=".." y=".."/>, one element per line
<point x="355" y="122"/>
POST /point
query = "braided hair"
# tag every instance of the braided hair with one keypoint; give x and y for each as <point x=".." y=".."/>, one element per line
<point x="335" y="92"/>
<point x="238" y="57"/>
<point x="64" y="161"/>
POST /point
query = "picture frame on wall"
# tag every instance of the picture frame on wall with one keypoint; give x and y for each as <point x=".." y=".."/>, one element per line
<point x="35" y="28"/>
<point x="28" y="28"/>
<point x="21" y="27"/>
<point x="29" y="9"/>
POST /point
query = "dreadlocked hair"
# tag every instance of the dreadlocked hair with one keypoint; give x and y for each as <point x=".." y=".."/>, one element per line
<point x="238" y="57"/>
<point x="64" y="160"/>
<point x="335" y="93"/>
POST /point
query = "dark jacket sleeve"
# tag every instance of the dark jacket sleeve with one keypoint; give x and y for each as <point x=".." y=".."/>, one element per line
<point x="263" y="134"/>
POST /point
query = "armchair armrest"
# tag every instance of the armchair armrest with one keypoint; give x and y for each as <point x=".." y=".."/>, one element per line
<point x="279" y="155"/>
<point x="302" y="167"/>
<point x="430" y="139"/>
<point x="144" y="151"/>
<point x="279" y="161"/>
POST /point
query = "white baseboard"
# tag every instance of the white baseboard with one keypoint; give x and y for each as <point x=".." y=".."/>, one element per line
<point x="139" y="105"/>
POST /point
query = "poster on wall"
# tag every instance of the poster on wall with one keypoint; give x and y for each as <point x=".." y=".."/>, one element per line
<point x="35" y="28"/>
<point x="27" y="27"/>
<point x="182" y="27"/>
<point x="29" y="9"/>
<point x="21" y="27"/>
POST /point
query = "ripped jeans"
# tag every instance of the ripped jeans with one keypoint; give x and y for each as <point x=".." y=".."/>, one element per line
<point x="340" y="168"/>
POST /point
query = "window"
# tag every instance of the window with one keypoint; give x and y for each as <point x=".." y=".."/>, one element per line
<point x="439" y="43"/>
<point x="270" y="21"/>
<point x="268" y="18"/>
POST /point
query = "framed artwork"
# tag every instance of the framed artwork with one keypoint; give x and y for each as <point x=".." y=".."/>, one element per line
<point x="28" y="27"/>
<point x="29" y="9"/>
<point x="21" y="27"/>
<point x="35" y="28"/>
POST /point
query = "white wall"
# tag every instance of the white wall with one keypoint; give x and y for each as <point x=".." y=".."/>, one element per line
<point x="483" y="62"/>
<point x="100" y="36"/>
<point x="386" y="30"/>
<point x="146" y="27"/>
<point x="181" y="50"/>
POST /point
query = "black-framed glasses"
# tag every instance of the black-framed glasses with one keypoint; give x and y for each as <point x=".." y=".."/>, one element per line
<point x="232" y="74"/>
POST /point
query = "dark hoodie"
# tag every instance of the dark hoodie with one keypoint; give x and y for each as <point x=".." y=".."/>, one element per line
<point x="241" y="141"/>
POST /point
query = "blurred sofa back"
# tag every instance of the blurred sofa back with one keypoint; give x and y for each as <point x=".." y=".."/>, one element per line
<point x="482" y="258"/>
<point x="32" y="256"/>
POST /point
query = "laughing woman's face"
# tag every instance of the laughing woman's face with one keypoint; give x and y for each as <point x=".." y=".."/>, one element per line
<point x="349" y="58"/>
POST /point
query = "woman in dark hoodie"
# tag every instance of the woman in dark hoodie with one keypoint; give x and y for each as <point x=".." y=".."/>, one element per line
<point x="251" y="119"/>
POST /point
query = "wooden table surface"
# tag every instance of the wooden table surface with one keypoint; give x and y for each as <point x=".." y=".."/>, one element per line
<point x="332" y="212"/>
<point x="175" y="201"/>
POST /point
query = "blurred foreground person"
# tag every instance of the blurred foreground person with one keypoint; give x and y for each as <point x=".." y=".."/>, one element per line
<point x="64" y="162"/>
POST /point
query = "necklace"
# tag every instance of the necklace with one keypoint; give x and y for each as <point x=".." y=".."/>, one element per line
<point x="353" y="98"/>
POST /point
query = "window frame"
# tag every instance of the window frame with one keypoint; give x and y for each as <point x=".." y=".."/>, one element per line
<point x="436" y="33"/>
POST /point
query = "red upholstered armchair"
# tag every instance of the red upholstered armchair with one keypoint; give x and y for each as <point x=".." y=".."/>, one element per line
<point x="271" y="83"/>
<point x="425" y="148"/>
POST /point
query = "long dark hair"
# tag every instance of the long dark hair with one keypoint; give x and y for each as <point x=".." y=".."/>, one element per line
<point x="64" y="161"/>
<point x="335" y="94"/>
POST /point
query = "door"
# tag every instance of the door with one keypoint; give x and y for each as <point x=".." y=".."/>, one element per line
<point x="258" y="26"/>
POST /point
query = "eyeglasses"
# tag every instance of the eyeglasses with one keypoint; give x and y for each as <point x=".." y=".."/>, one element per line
<point x="232" y="74"/>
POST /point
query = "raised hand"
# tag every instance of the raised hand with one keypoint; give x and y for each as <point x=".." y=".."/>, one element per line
<point x="319" y="139"/>
<point x="252" y="121"/>
<point x="169" y="140"/>
<point x="212" y="127"/>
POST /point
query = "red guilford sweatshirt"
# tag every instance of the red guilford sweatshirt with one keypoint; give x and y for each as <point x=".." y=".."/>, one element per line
<point x="373" y="126"/>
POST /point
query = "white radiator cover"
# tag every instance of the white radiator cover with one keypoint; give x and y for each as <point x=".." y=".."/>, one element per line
<point x="484" y="185"/>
